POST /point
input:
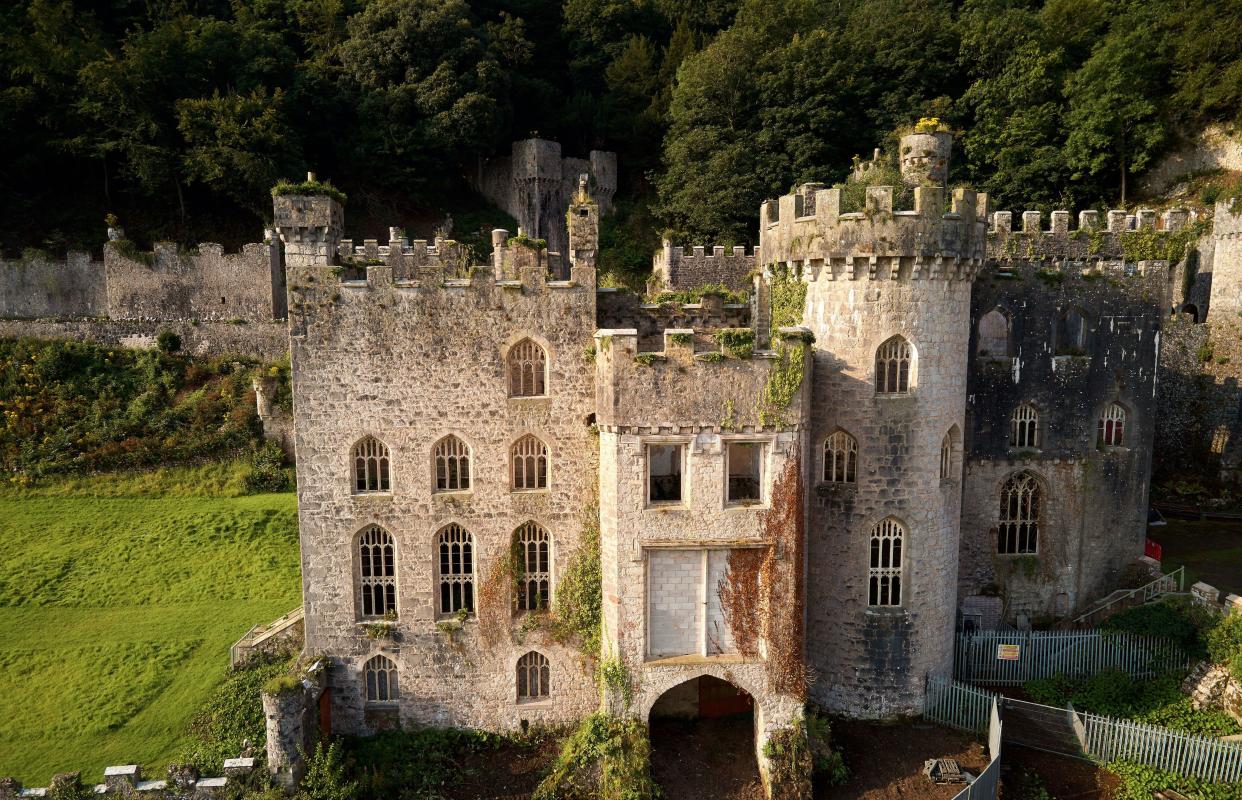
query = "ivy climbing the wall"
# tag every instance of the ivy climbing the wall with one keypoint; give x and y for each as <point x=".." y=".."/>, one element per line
<point x="788" y="297"/>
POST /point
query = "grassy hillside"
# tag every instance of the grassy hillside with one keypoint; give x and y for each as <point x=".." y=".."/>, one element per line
<point x="119" y="598"/>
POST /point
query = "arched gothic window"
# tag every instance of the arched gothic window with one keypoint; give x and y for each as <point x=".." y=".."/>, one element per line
<point x="527" y="369"/>
<point x="893" y="362"/>
<point x="993" y="337"/>
<point x="371" y="466"/>
<point x="381" y="679"/>
<point x="377" y="572"/>
<point x="534" y="556"/>
<point x="1024" y="427"/>
<point x="456" y="570"/>
<point x="946" y="458"/>
<point x="533" y="677"/>
<point x="840" y="458"/>
<point x="452" y="465"/>
<point x="1112" y="426"/>
<point x="1072" y="333"/>
<point x="884" y="576"/>
<point x="1018" y="531"/>
<point x="530" y="464"/>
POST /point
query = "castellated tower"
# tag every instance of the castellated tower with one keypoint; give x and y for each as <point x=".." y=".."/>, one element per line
<point x="888" y="300"/>
<point x="444" y="447"/>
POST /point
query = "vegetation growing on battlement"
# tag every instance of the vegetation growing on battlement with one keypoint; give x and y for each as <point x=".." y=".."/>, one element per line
<point x="788" y="298"/>
<point x="696" y="295"/>
<point x="313" y="188"/>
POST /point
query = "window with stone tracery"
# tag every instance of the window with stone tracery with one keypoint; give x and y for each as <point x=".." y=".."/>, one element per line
<point x="534" y="556"/>
<point x="1024" y="427"/>
<point x="1018" y="531"/>
<point x="452" y="465"/>
<point x="1110" y="429"/>
<point x="884" y="575"/>
<point x="528" y="366"/>
<point x="371" y="467"/>
<point x="529" y="464"/>
<point x="455" y="572"/>
<point x="893" y="364"/>
<point x="840" y="458"/>
<point x="377" y="572"/>
<point x="381" y="679"/>
<point x="533" y="677"/>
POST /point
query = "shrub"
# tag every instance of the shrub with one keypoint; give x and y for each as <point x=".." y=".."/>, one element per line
<point x="606" y="758"/>
<point x="324" y="188"/>
<point x="1224" y="642"/>
<point x="267" y="471"/>
<point x="234" y="714"/>
<point x="284" y="683"/>
<point x="1173" y="619"/>
<point x="325" y="777"/>
<point x="168" y="341"/>
<point x="410" y="764"/>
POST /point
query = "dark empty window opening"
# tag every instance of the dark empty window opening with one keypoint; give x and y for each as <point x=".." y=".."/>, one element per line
<point x="745" y="472"/>
<point x="221" y="301"/>
<point x="1072" y="334"/>
<point x="664" y="473"/>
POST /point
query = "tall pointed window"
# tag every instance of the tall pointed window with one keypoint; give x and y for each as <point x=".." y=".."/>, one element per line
<point x="840" y="458"/>
<point x="452" y="465"/>
<point x="1018" y="531"/>
<point x="533" y="677"/>
<point x="1111" y="428"/>
<point x="946" y="458"/>
<point x="377" y="572"/>
<point x="530" y="464"/>
<point x="371" y="467"/>
<point x="455" y="547"/>
<point x="527" y="369"/>
<point x="884" y="576"/>
<point x="534" y="556"/>
<point x="1072" y="333"/>
<point x="381" y="679"/>
<point x="893" y="362"/>
<point x="1024" y="427"/>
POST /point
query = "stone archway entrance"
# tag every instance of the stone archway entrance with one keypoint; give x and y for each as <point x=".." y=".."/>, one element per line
<point x="703" y="742"/>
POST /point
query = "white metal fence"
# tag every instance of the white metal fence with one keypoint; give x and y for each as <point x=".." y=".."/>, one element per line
<point x="1077" y="734"/>
<point x="969" y="709"/>
<point x="1106" y="739"/>
<point x="1011" y="658"/>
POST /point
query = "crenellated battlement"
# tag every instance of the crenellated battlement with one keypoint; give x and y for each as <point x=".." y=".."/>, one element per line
<point x="943" y="236"/>
<point x="673" y="268"/>
<point x="1117" y="235"/>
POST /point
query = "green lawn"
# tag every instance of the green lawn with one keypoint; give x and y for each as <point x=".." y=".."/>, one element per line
<point x="1211" y="551"/>
<point x="117" y="612"/>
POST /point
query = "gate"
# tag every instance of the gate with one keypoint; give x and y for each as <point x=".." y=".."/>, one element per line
<point x="1055" y="730"/>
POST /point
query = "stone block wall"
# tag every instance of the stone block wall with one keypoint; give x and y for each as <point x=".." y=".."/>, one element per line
<point x="672" y="268"/>
<point x="265" y="341"/>
<point x="1093" y="500"/>
<point x="202" y="284"/>
<point x="664" y="565"/>
<point x="38" y="286"/>
<point x="620" y="309"/>
<point x="409" y="362"/>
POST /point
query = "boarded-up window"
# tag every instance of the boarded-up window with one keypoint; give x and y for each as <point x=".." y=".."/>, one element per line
<point x="993" y="334"/>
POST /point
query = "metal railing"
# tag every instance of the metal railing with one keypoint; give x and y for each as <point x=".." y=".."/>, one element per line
<point x="976" y="711"/>
<point x="1011" y="658"/>
<point x="1173" y="582"/>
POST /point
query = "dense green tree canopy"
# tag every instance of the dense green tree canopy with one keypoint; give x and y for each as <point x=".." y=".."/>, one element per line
<point x="177" y="115"/>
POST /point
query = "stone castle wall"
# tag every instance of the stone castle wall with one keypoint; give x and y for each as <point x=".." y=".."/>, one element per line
<point x="619" y="309"/>
<point x="672" y="268"/>
<point x="36" y="287"/>
<point x="1086" y="489"/>
<point x="265" y="341"/>
<point x="409" y="362"/>
<point x="665" y="565"/>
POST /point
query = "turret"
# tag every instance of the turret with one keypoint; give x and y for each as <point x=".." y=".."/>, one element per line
<point x="583" y="223"/>
<point x="309" y="225"/>
<point x="925" y="158"/>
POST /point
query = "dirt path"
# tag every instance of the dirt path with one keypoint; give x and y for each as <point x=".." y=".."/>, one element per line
<point x="705" y="759"/>
<point x="1064" y="778"/>
<point x="886" y="761"/>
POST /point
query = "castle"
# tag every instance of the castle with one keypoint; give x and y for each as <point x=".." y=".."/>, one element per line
<point x="922" y="415"/>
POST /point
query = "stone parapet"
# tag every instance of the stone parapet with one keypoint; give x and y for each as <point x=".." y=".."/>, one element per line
<point x="942" y="237"/>
<point x="674" y="268"/>
<point x="1118" y="235"/>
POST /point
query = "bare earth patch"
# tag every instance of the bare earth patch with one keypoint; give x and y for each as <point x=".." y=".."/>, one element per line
<point x="886" y="761"/>
<point x="705" y="759"/>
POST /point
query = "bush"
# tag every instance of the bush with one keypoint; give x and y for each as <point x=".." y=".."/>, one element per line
<point x="325" y="777"/>
<point x="410" y="764"/>
<point x="284" y="683"/>
<point x="234" y="714"/>
<point x="1224" y="643"/>
<point x="168" y="342"/>
<point x="606" y="758"/>
<point x="1141" y="782"/>
<point x="267" y="471"/>
<point x="1175" y="619"/>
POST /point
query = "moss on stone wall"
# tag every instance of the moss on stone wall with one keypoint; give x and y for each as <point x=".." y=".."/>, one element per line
<point x="784" y="380"/>
<point x="788" y="298"/>
<point x="310" y="188"/>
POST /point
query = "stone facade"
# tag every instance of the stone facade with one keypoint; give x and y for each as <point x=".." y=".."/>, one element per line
<point x="847" y="436"/>
<point x="672" y="268"/>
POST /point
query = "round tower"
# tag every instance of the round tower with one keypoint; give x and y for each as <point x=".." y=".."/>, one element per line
<point x="925" y="158"/>
<point x="888" y="299"/>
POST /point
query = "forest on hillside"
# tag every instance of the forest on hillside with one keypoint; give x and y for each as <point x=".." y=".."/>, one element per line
<point x="178" y="115"/>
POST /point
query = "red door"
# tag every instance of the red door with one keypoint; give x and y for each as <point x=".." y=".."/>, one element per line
<point x="719" y="698"/>
<point x="325" y="714"/>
